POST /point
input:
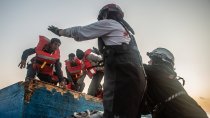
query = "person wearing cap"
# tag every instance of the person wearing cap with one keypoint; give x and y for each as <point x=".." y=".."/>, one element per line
<point x="124" y="77"/>
<point x="46" y="60"/>
<point x="166" y="96"/>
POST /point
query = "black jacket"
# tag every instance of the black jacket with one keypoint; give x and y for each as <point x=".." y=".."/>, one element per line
<point x="162" y="84"/>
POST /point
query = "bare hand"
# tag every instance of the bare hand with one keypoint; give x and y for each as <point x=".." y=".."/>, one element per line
<point x="22" y="64"/>
<point x="62" y="84"/>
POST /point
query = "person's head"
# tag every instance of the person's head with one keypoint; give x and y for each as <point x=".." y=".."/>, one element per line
<point x="161" y="56"/>
<point x="114" y="12"/>
<point x="110" y="11"/>
<point x="80" y="54"/>
<point x="71" y="56"/>
<point x="54" y="44"/>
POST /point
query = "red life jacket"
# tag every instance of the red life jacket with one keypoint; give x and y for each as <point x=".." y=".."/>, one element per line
<point x="69" y="86"/>
<point x="75" y="71"/>
<point x="45" y="58"/>
<point x="55" y="78"/>
<point x="88" y="66"/>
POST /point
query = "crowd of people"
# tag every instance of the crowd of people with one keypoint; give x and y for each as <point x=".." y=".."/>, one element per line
<point x="46" y="66"/>
<point x="130" y="88"/>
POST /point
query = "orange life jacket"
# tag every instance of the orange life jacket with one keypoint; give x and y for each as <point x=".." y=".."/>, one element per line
<point x="75" y="71"/>
<point x="45" y="58"/>
<point x="69" y="86"/>
<point x="88" y="66"/>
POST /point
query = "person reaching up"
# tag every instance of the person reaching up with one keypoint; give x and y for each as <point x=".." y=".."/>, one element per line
<point x="75" y="73"/>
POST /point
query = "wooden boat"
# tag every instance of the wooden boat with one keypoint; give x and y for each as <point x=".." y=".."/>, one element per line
<point x="39" y="99"/>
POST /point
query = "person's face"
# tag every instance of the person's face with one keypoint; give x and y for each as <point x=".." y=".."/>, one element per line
<point x="54" y="46"/>
<point x="71" y="58"/>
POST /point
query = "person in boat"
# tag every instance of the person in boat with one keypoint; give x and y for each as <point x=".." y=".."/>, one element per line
<point x="46" y="60"/>
<point x="166" y="96"/>
<point x="122" y="61"/>
<point x="75" y="73"/>
<point x="91" y="67"/>
<point x="99" y="93"/>
<point x="55" y="76"/>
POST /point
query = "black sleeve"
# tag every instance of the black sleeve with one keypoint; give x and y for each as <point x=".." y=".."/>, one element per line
<point x="27" y="53"/>
<point x="58" y="70"/>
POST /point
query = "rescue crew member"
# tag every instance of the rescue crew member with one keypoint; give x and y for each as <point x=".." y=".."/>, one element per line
<point x="91" y="66"/>
<point x="166" y="96"/>
<point x="47" y="57"/>
<point x="123" y="64"/>
<point x="75" y="73"/>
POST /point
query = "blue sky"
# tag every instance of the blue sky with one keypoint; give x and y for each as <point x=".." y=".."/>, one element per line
<point x="182" y="26"/>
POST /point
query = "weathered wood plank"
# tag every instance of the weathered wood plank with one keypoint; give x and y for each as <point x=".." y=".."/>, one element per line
<point x="39" y="99"/>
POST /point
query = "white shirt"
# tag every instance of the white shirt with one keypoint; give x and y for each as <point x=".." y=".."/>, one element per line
<point x="112" y="32"/>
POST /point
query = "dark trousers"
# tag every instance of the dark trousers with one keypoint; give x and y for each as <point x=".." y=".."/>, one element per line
<point x="80" y="84"/>
<point x="124" y="84"/>
<point x="32" y="72"/>
<point x="95" y="83"/>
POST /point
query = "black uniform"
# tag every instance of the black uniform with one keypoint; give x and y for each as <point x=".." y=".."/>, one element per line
<point x="124" y="85"/>
<point x="166" y="96"/>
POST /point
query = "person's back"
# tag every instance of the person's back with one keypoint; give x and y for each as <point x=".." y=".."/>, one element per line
<point x="165" y="94"/>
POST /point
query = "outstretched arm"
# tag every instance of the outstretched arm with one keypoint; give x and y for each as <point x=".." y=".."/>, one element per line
<point x="81" y="33"/>
<point x="24" y="57"/>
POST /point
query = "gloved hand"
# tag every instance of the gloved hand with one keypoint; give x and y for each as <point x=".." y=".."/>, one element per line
<point x="95" y="50"/>
<point x="54" y="29"/>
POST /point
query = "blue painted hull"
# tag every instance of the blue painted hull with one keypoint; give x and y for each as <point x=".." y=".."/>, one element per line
<point x="38" y="99"/>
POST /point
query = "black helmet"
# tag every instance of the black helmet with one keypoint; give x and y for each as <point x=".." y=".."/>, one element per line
<point x="163" y="54"/>
<point x="80" y="54"/>
<point x="110" y="8"/>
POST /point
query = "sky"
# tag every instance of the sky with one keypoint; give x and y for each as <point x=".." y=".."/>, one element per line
<point x="182" y="26"/>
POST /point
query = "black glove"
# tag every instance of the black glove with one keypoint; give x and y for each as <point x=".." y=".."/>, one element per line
<point x="95" y="50"/>
<point x="54" y="29"/>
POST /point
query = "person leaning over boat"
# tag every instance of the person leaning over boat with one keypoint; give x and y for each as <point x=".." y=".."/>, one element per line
<point x="91" y="67"/>
<point x="47" y="57"/>
<point x="122" y="61"/>
<point x="75" y="73"/>
<point x="165" y="95"/>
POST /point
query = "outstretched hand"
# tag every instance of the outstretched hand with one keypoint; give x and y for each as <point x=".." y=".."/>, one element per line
<point x="54" y="29"/>
<point x="95" y="50"/>
<point x="22" y="64"/>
